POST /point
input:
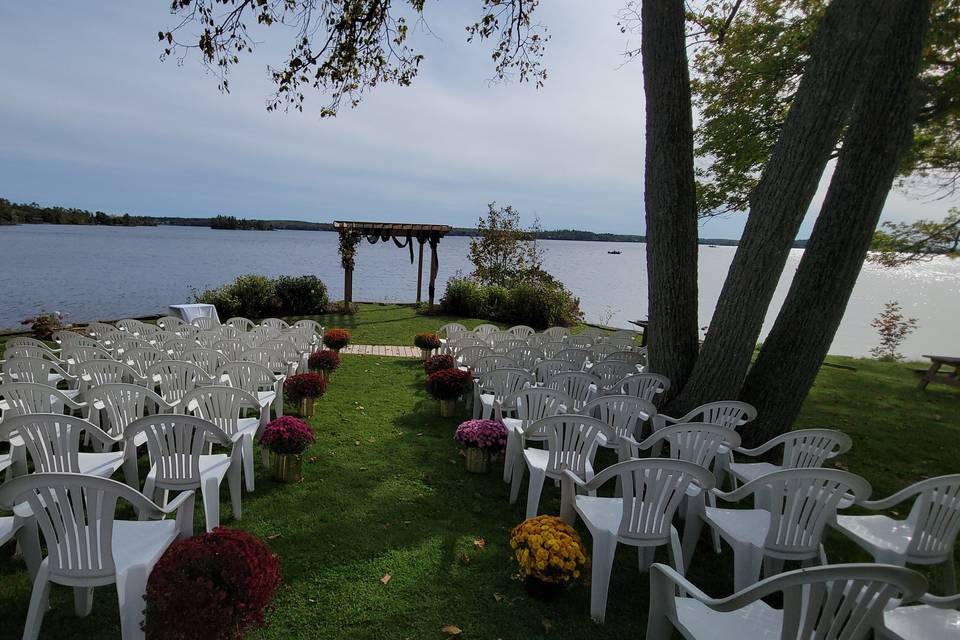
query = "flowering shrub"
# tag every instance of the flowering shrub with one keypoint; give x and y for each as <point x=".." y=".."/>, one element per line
<point x="549" y="549"/>
<point x="336" y="339"/>
<point x="44" y="325"/>
<point x="427" y="341"/>
<point x="287" y="435"/>
<point x="449" y="384"/>
<point x="439" y="363"/>
<point x="324" y="361"/>
<point x="216" y="585"/>
<point x="483" y="434"/>
<point x="304" y="385"/>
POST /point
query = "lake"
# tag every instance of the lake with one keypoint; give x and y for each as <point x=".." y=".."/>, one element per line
<point x="111" y="272"/>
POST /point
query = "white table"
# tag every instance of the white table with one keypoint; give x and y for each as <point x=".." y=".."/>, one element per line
<point x="188" y="312"/>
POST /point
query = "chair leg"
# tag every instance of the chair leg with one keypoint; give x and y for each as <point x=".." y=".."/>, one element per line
<point x="82" y="601"/>
<point x="645" y="558"/>
<point x="247" y="457"/>
<point x="210" y="492"/>
<point x="516" y="478"/>
<point x="509" y="455"/>
<point x="692" y="527"/>
<point x="29" y="540"/>
<point x="131" y="585"/>
<point x="233" y="480"/>
<point x="676" y="551"/>
<point x="712" y="499"/>
<point x="131" y="475"/>
<point x="604" y="548"/>
<point x="950" y="577"/>
<point x="534" y="489"/>
<point x="39" y="599"/>
<point x="747" y="561"/>
<point x="774" y="566"/>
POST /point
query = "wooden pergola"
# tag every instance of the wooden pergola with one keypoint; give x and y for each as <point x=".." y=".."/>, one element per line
<point x="403" y="235"/>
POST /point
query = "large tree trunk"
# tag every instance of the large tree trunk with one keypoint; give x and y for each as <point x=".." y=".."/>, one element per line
<point x="881" y="127"/>
<point x="669" y="192"/>
<point x="777" y="206"/>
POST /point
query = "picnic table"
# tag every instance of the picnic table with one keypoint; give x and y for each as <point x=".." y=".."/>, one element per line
<point x="933" y="373"/>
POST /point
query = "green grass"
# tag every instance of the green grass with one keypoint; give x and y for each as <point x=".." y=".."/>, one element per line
<point x="385" y="492"/>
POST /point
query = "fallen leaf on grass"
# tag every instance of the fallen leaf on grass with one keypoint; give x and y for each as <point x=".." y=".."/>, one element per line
<point x="479" y="543"/>
<point x="451" y="629"/>
<point x="497" y="596"/>
<point x="356" y="442"/>
<point x="313" y="459"/>
<point x="461" y="453"/>
<point x="274" y="536"/>
<point x="547" y="625"/>
<point x="386" y="578"/>
<point x="464" y="558"/>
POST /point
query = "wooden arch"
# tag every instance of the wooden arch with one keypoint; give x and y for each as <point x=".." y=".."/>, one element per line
<point x="402" y="235"/>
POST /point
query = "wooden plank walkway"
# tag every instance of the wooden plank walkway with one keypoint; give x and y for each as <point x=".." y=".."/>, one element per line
<point x="390" y="351"/>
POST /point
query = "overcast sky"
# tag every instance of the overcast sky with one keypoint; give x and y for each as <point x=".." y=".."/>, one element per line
<point x="90" y="117"/>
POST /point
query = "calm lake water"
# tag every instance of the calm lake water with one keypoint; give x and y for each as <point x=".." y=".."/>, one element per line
<point x="111" y="272"/>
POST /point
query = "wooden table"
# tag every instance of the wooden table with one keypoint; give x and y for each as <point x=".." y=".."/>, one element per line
<point x="933" y="373"/>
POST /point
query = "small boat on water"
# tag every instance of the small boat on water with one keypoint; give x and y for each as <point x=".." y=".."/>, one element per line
<point x="712" y="246"/>
<point x="614" y="253"/>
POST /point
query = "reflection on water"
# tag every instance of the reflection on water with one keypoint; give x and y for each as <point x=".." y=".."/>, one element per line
<point x="110" y="272"/>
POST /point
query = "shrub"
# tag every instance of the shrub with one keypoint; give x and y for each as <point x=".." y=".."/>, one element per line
<point x="549" y="549"/>
<point x="449" y="384"/>
<point x="893" y="328"/>
<point x="482" y="434"/>
<point x="287" y="435"/>
<point x="541" y="304"/>
<point x="304" y="385"/>
<point x="216" y="585"/>
<point x="336" y="339"/>
<point x="301" y="295"/>
<point x="324" y="361"/>
<point x="44" y="324"/>
<point x="463" y="297"/>
<point x="439" y="363"/>
<point x="427" y="341"/>
<point x="494" y="301"/>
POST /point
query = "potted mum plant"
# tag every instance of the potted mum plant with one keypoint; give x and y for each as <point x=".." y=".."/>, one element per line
<point x="216" y="585"/>
<point x="439" y="363"/>
<point x="447" y="385"/>
<point x="287" y="438"/>
<point x="324" y="362"/>
<point x="481" y="439"/>
<point x="549" y="554"/>
<point x="304" y="389"/>
<point x="427" y="342"/>
<point x="336" y="339"/>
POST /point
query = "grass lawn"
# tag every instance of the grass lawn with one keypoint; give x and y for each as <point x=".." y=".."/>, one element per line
<point x="385" y="492"/>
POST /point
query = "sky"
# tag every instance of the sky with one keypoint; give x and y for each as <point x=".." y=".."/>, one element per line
<point x="90" y="117"/>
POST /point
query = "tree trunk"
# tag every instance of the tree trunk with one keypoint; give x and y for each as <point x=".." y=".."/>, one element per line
<point x="669" y="192"/>
<point x="789" y="181"/>
<point x="881" y="127"/>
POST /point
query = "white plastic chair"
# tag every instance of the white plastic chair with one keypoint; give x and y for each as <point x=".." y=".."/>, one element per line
<point x="258" y="381"/>
<point x="527" y="357"/>
<point x="275" y="323"/>
<point x="73" y="356"/>
<point x="269" y="358"/>
<point x="314" y="328"/>
<point x="528" y="405"/>
<point x="20" y="398"/>
<point x="521" y="330"/>
<point x="647" y="386"/>
<point x="143" y="359"/>
<point x="30" y="351"/>
<point x="39" y="370"/>
<point x="485" y="329"/>
<point x="802" y="449"/>
<point x="206" y="339"/>
<point x="600" y="351"/>
<point x="128" y="343"/>
<point x="624" y="414"/>
<point x="611" y="375"/>
<point x="244" y="324"/>
<point x="226" y="407"/>
<point x="207" y="359"/>
<point x="487" y="364"/>
<point x="636" y="358"/>
<point x="492" y="387"/>
<point x="652" y="491"/>
<point x="177" y="446"/>
<point x="468" y="356"/>
<point x="579" y="385"/>
<point x="549" y="367"/>
<point x="204" y="323"/>
<point x="231" y="348"/>
<point x="51" y="442"/>
<point x="578" y="356"/>
<point x="503" y="346"/>
<point x="928" y="534"/>
<point x="177" y="347"/>
<point x="451" y="328"/>
<point x="797" y="506"/>
<point x="169" y="323"/>
<point x="552" y="347"/>
<point x="836" y="602"/>
<point x="88" y="548"/>
<point x="73" y="339"/>
<point x="570" y="440"/>
<point x="935" y="618"/>
<point x="95" y="373"/>
<point x="23" y="529"/>
<point x="174" y="378"/>
<point x="581" y="341"/>
<point x="558" y="334"/>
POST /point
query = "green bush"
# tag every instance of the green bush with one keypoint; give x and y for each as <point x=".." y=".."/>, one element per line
<point x="538" y="303"/>
<point x="463" y="297"/>
<point x="494" y="301"/>
<point x="254" y="296"/>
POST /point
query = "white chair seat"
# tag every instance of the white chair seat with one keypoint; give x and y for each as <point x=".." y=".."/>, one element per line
<point x="600" y="513"/>
<point x="100" y="464"/>
<point x="747" y="471"/>
<point x="266" y="397"/>
<point x="922" y="621"/>
<point x="141" y="543"/>
<point x="880" y="532"/>
<point x="246" y="425"/>
<point x="744" y="525"/>
<point x="7" y="528"/>
<point x="5" y="461"/>
<point x="756" y="621"/>
<point x="512" y="424"/>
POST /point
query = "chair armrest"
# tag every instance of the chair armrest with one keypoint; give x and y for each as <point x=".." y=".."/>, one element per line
<point x="175" y="504"/>
<point x="941" y="602"/>
<point x="102" y="436"/>
<point x="183" y="505"/>
<point x="763" y="448"/>
<point x="569" y="481"/>
<point x="668" y="576"/>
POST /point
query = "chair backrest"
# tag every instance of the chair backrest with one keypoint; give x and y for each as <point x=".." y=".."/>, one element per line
<point x="557" y="334"/>
<point x="231" y="348"/>
<point x="156" y="336"/>
<point x="580" y="341"/>
<point x="175" y="378"/>
<point x="579" y="385"/>
<point x="552" y="347"/>
<point x="244" y="324"/>
<point x="600" y="351"/>
<point x="313" y="327"/>
<point x="169" y="323"/>
<point x="175" y="443"/>
<point x="28" y="351"/>
<point x="269" y="358"/>
<point x="249" y="376"/>
<point x="24" y="341"/>
<point x="801" y="502"/>
<point x="207" y="359"/>
<point x="636" y="358"/>
<point x="611" y="372"/>
<point x="653" y="489"/>
<point x="451" y="328"/>
<point x="221" y="405"/>
<point x="578" y="356"/>
<point x="534" y="403"/>
<point x="204" y="323"/>
<point x="75" y="512"/>
<point x="645" y="385"/>
<point x="73" y="339"/>
<point x="487" y="364"/>
<point x="459" y="341"/>
<point x="485" y="329"/>
<point x="126" y="343"/>
<point x="301" y="339"/>
<point x="20" y="398"/>
<point x="100" y="372"/>
<point x="75" y="355"/>
<point x="502" y="382"/>
<point x="807" y="448"/>
<point x="123" y="403"/>
<point x="206" y="339"/>
<point x="499" y="336"/>
<point x="521" y="330"/>
<point x="131" y="326"/>
<point x="526" y="357"/>
<point x="187" y="331"/>
<point x="468" y="356"/>
<point x="546" y="368"/>
<point x="143" y="359"/>
<point x="274" y="323"/>
<point x="287" y="350"/>
<point x="570" y="440"/>
<point x="934" y="517"/>
<point x="100" y="330"/>
<point x="229" y="331"/>
<point x="697" y="442"/>
<point x="624" y="414"/>
<point x="726" y="413"/>
<point x="503" y="346"/>
<point x="52" y="440"/>
<point x="33" y="370"/>
<point x="177" y="347"/>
